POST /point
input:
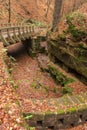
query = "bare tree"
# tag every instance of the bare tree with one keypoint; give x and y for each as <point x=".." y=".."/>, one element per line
<point x="9" y="11"/>
<point x="48" y="7"/>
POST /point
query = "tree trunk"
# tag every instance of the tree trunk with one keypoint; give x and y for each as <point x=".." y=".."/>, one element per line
<point x="63" y="8"/>
<point x="57" y="14"/>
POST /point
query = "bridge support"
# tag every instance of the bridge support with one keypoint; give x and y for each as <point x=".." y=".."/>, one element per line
<point x="32" y="46"/>
<point x="35" y="44"/>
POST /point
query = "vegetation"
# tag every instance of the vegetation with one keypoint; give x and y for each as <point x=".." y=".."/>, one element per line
<point x="78" y="32"/>
<point x="61" y="79"/>
<point x="27" y="117"/>
<point x="66" y="90"/>
<point x="37" y="85"/>
<point x="37" y="23"/>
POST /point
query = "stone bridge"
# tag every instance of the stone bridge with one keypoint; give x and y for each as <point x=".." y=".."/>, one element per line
<point x="28" y="34"/>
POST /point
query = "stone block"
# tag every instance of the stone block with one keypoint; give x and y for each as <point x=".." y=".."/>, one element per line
<point x="50" y="120"/>
<point x="67" y="120"/>
<point x="40" y="128"/>
<point x="32" y="123"/>
<point x="84" y="116"/>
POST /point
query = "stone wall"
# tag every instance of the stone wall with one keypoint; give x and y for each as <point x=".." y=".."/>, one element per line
<point x="57" y="122"/>
<point x="69" y="111"/>
<point x="73" y="53"/>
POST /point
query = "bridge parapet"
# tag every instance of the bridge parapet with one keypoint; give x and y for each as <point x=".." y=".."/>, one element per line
<point x="12" y="33"/>
<point x="11" y="24"/>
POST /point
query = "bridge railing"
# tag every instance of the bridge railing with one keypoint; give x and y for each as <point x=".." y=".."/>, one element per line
<point x="10" y="24"/>
<point x="10" y="33"/>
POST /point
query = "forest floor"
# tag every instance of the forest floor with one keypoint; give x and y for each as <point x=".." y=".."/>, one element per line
<point x="10" y="113"/>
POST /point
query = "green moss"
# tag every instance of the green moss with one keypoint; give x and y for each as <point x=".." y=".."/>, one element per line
<point x="66" y="90"/>
<point x="62" y="37"/>
<point x="49" y="113"/>
<point x="78" y="34"/>
<point x="55" y="89"/>
<point x="37" y="85"/>
<point x="28" y="117"/>
<point x="79" y="17"/>
<point x="32" y="128"/>
<point x="37" y="23"/>
<point x="33" y="84"/>
<point x="71" y="110"/>
<point x="80" y="107"/>
<point x="15" y="86"/>
<point x="59" y="77"/>
<point x="61" y="111"/>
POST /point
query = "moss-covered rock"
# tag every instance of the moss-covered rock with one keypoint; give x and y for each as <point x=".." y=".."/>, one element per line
<point x="71" y="54"/>
<point x="59" y="77"/>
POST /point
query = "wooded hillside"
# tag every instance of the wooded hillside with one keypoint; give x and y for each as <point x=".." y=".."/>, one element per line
<point x="64" y="7"/>
<point x="22" y="10"/>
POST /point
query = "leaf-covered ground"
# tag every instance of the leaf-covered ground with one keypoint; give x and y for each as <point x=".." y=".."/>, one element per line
<point x="10" y="113"/>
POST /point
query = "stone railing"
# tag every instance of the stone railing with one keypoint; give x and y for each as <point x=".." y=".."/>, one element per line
<point x="11" y="24"/>
<point x="11" y="33"/>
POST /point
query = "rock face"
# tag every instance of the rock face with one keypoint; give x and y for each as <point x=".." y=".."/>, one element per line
<point x="70" y="45"/>
<point x="73" y="56"/>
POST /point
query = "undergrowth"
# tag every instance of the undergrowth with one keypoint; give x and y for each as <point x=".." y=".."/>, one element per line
<point x="77" y="31"/>
<point x="37" y="23"/>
